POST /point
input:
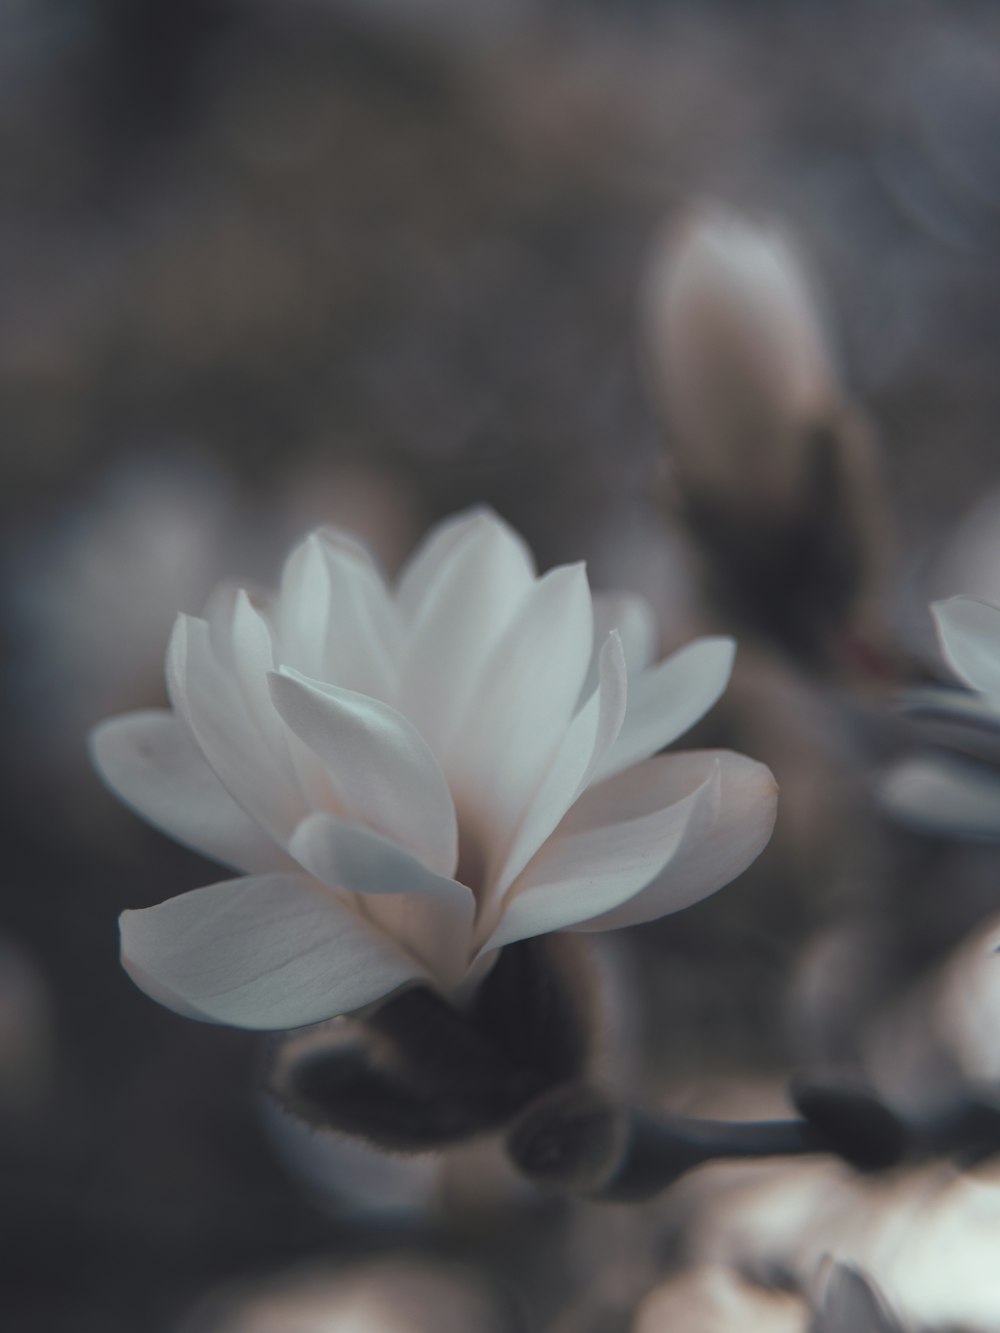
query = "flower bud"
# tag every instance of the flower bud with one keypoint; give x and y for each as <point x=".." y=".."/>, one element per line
<point x="774" y="470"/>
<point x="739" y="356"/>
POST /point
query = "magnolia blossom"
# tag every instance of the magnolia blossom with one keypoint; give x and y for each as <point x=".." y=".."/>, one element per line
<point x="409" y="778"/>
<point x="940" y="792"/>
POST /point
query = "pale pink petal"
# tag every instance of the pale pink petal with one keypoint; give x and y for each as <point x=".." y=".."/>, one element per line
<point x="729" y="833"/>
<point x="267" y="952"/>
<point x="431" y="914"/>
<point x="668" y="699"/>
<point x="649" y="842"/>
<point x="461" y="596"/>
<point x="588" y="738"/>
<point x="335" y="619"/>
<point x="969" y="630"/>
<point x="380" y="769"/>
<point x="584" y="874"/>
<point x="151" y="762"/>
<point x="528" y="696"/>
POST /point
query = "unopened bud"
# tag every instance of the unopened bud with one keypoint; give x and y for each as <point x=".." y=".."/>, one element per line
<point x="773" y="469"/>
<point x="739" y="357"/>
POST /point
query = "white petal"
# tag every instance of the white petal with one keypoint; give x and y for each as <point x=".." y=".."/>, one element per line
<point x="219" y="613"/>
<point x="347" y="856"/>
<point x="424" y="567"/>
<point x="729" y="833"/>
<point x="302" y="612"/>
<point x="380" y="769"/>
<point x="253" y="656"/>
<point x="335" y="618"/>
<point x="430" y="914"/>
<point x="969" y="630"/>
<point x="209" y="699"/>
<point x="460" y="595"/>
<point x="667" y="700"/>
<point x="268" y="952"/>
<point x="528" y="696"/>
<point x="588" y="738"/>
<point x="587" y="873"/>
<point x="945" y="796"/>
<point x="151" y="762"/>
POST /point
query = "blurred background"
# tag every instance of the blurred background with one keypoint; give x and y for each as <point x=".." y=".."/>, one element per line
<point x="271" y="263"/>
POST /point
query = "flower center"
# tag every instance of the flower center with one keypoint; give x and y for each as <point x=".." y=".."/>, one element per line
<point x="471" y="870"/>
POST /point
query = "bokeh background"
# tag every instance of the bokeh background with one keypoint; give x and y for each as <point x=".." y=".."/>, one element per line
<point x="270" y="263"/>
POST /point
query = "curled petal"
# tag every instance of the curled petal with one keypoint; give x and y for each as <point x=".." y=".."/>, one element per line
<point x="267" y="952"/>
<point x="207" y="697"/>
<point x="347" y="856"/>
<point x="668" y="699"/>
<point x="586" y="874"/>
<point x="380" y="769"/>
<point x="969" y="630"/>
<point x="151" y="762"/>
<point x="429" y="913"/>
<point x="730" y="833"/>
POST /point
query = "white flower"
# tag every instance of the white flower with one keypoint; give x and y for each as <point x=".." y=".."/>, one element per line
<point x="944" y="793"/>
<point x="410" y="778"/>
